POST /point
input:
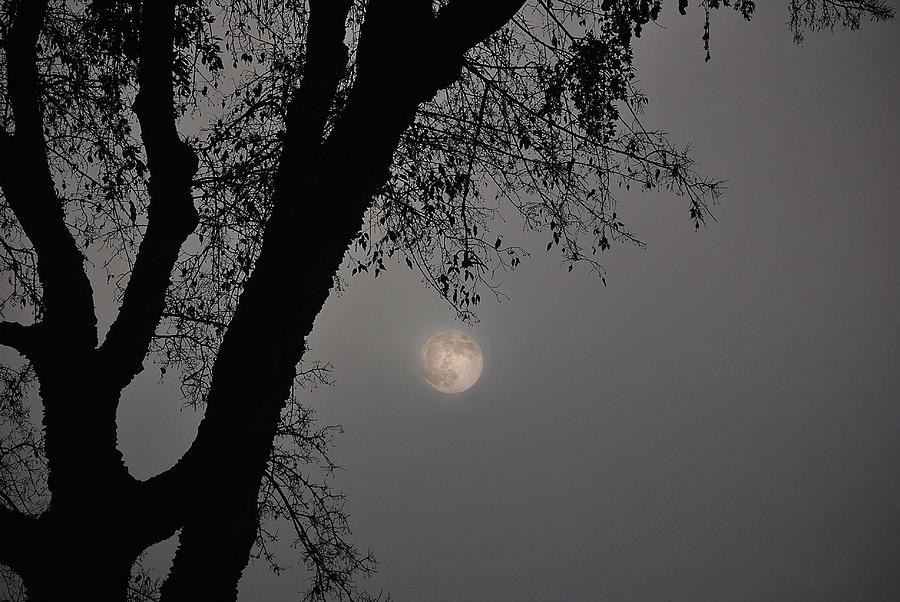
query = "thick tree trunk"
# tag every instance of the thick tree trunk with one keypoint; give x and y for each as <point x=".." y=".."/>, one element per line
<point x="81" y="555"/>
<point x="86" y="467"/>
<point x="218" y="536"/>
<point x="99" y="518"/>
<point x="86" y="541"/>
<point x="213" y="550"/>
<point x="101" y="578"/>
<point x="78" y="569"/>
<point x="321" y="198"/>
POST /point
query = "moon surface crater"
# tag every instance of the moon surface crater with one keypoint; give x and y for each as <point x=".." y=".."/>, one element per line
<point x="452" y="361"/>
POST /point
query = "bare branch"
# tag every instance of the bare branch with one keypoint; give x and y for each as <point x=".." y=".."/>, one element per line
<point x="18" y="336"/>
<point x="172" y="215"/>
<point x="463" y="24"/>
<point x="814" y="15"/>
<point x="28" y="186"/>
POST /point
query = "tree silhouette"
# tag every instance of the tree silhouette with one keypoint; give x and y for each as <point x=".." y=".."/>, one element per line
<point x="213" y="162"/>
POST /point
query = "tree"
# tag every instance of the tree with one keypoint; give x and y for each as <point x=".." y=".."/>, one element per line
<point x="214" y="161"/>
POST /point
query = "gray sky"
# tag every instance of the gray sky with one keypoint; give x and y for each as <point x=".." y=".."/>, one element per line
<point x="719" y="423"/>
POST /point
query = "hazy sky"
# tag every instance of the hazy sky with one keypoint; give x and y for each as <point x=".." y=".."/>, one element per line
<point x="719" y="423"/>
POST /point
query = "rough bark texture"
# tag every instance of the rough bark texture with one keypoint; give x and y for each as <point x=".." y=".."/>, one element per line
<point x="324" y="187"/>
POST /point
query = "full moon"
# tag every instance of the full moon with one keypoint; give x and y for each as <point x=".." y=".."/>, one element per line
<point x="452" y="361"/>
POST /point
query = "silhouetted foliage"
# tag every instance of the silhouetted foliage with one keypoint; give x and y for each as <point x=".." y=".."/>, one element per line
<point x="208" y="164"/>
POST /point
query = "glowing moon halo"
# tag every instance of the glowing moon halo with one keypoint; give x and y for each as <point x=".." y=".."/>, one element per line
<point x="452" y="361"/>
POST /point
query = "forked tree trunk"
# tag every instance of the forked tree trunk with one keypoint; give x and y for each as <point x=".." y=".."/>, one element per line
<point x="85" y="542"/>
<point x="100" y="519"/>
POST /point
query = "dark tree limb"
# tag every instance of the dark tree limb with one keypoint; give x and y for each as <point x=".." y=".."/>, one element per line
<point x="80" y="438"/>
<point x="326" y="61"/>
<point x="309" y="109"/>
<point x="293" y="276"/>
<point x="172" y="215"/>
<point x="27" y="182"/>
<point x="463" y="24"/>
<point x="17" y="336"/>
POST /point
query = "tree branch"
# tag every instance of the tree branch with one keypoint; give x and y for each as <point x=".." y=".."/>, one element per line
<point x="27" y="182"/>
<point x="229" y="409"/>
<point x="18" y="336"/>
<point x="326" y="60"/>
<point x="460" y="26"/>
<point x="463" y="24"/>
<point x="294" y="273"/>
<point x="171" y="216"/>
